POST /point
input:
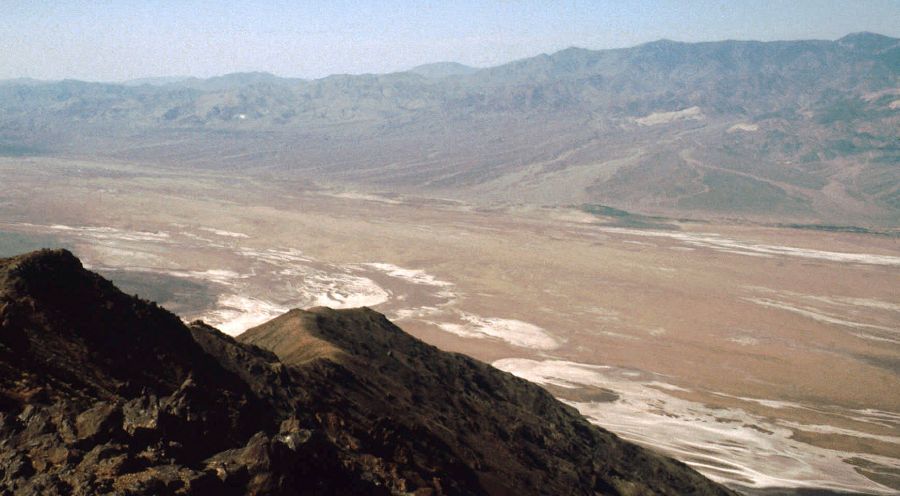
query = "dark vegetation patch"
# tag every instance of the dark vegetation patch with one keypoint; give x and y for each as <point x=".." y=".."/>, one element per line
<point x="20" y="150"/>
<point x="843" y="229"/>
<point x="622" y="218"/>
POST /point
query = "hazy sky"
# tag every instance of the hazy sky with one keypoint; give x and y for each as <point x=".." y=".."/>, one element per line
<point x="119" y="39"/>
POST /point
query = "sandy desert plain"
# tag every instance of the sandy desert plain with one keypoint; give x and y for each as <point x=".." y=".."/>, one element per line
<point x="765" y="357"/>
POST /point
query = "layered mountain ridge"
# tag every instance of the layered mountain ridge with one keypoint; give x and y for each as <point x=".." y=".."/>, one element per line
<point x="104" y="393"/>
<point x="800" y="130"/>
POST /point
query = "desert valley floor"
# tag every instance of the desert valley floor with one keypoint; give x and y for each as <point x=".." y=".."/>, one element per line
<point x="765" y="357"/>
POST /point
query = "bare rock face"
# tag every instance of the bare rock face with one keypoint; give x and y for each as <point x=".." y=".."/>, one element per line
<point x="98" y="423"/>
<point x="102" y="393"/>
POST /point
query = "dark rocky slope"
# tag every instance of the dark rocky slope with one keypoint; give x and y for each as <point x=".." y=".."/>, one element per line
<point x="102" y="393"/>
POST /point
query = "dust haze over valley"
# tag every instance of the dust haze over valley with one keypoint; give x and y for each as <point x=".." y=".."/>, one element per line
<point x="694" y="244"/>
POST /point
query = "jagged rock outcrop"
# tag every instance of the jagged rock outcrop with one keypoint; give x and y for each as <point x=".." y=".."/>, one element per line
<point x="103" y="393"/>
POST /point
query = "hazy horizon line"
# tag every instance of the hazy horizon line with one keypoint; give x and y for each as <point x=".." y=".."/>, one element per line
<point x="182" y="77"/>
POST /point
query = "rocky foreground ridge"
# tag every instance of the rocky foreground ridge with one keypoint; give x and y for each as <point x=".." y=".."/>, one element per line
<point x="104" y="393"/>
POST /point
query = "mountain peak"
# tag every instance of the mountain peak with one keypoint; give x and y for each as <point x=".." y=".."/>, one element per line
<point x="36" y="265"/>
<point x="865" y="40"/>
<point x="295" y="337"/>
<point x="662" y="42"/>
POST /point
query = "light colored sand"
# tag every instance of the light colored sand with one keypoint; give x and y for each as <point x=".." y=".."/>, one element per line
<point x="275" y="256"/>
<point x="845" y="303"/>
<point x="821" y="317"/>
<point x="415" y="276"/>
<point x="514" y="332"/>
<point x="744" y="340"/>
<point x="111" y="233"/>
<point x="415" y="313"/>
<point x="337" y="290"/>
<point x="690" y="113"/>
<point x="726" y="245"/>
<point x="219" y="276"/>
<point x="727" y="445"/>
<point x="743" y="126"/>
<point x="236" y="313"/>
<point x="352" y="195"/>
<point x="221" y="232"/>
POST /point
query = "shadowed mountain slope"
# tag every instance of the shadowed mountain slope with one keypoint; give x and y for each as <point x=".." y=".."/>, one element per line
<point x="105" y="393"/>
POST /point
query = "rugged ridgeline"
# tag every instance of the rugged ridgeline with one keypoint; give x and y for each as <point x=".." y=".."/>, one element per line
<point x="104" y="393"/>
<point x="802" y="130"/>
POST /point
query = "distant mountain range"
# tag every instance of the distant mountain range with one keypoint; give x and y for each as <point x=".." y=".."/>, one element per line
<point x="792" y="130"/>
<point x="442" y="70"/>
<point x="104" y="393"/>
